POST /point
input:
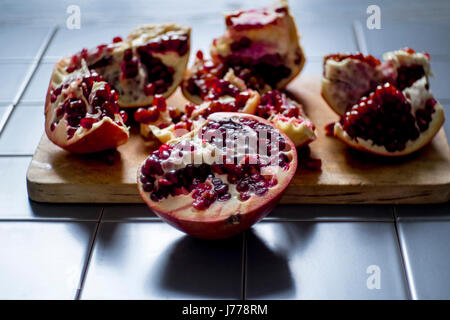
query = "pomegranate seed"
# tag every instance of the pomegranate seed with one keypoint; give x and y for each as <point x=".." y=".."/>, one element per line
<point x="160" y="102"/>
<point x="199" y="54"/>
<point x="124" y="115"/>
<point x="117" y="39"/>
<point x="149" y="89"/>
<point x="146" y="115"/>
<point x="87" y="122"/>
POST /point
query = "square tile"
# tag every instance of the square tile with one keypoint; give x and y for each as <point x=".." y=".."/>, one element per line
<point x="426" y="248"/>
<point x="23" y="41"/>
<point x="313" y="66"/>
<point x="321" y="39"/>
<point x="12" y="75"/>
<point x="43" y="260"/>
<point x="152" y="260"/>
<point x="324" y="260"/>
<point x="23" y="131"/>
<point x="126" y="212"/>
<point x="332" y="212"/>
<point x="421" y="36"/>
<point x="38" y="85"/>
<point x="440" y="211"/>
<point x="15" y="205"/>
<point x="439" y="84"/>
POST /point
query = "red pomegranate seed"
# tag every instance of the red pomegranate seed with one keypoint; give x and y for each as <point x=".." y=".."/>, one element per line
<point x="117" y="39"/>
<point x="329" y="129"/>
<point x="160" y="102"/>
<point x="124" y="115"/>
<point x="149" y="89"/>
<point x="87" y="122"/>
<point x="146" y="115"/>
<point x="199" y="55"/>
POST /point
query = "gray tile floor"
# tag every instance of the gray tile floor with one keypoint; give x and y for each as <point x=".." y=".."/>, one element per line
<point x="125" y="251"/>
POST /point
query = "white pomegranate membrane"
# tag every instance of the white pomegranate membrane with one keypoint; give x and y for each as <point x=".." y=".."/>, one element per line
<point x="234" y="157"/>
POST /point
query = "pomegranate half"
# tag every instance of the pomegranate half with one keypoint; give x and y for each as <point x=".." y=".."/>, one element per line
<point x="221" y="178"/>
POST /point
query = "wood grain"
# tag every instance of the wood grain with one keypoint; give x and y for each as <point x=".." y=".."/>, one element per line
<point x="347" y="176"/>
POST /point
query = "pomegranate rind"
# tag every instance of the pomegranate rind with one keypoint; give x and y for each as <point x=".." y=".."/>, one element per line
<point x="221" y="219"/>
<point x="437" y="119"/>
<point x="281" y="37"/>
<point x="105" y="134"/>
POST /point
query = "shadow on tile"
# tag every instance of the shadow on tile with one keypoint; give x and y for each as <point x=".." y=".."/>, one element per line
<point x="85" y="212"/>
<point x="205" y="274"/>
<point x="265" y="284"/>
<point x="333" y="212"/>
<point x="439" y="211"/>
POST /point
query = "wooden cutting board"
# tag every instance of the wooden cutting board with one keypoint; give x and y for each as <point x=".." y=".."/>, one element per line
<point x="347" y="176"/>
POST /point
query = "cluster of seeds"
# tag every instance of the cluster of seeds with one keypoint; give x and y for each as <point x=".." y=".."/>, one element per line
<point x="274" y="102"/>
<point x="385" y="117"/>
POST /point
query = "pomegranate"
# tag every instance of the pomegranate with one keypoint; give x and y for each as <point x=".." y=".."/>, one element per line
<point x="81" y="111"/>
<point x="348" y="77"/>
<point x="150" y="61"/>
<point x="288" y="116"/>
<point x="220" y="178"/>
<point x="261" y="46"/>
<point x="386" y="108"/>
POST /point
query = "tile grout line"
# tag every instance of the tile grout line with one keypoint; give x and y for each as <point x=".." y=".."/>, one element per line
<point x="409" y="282"/>
<point x="88" y="260"/>
<point x="244" y="267"/>
<point x="358" y="32"/>
<point x="27" y="79"/>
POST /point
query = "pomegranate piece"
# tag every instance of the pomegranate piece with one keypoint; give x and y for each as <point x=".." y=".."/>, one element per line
<point x="221" y="178"/>
<point x="261" y="46"/>
<point x="348" y="77"/>
<point x="288" y="116"/>
<point x="81" y="111"/>
<point x="386" y="123"/>
<point x="150" y="61"/>
<point x="166" y="123"/>
<point x="386" y="108"/>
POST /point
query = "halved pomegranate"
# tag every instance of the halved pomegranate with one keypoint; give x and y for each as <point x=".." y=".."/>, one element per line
<point x="288" y="116"/>
<point x="220" y="178"/>
<point x="261" y="46"/>
<point x="389" y="124"/>
<point x="150" y="61"/>
<point x="81" y="111"/>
